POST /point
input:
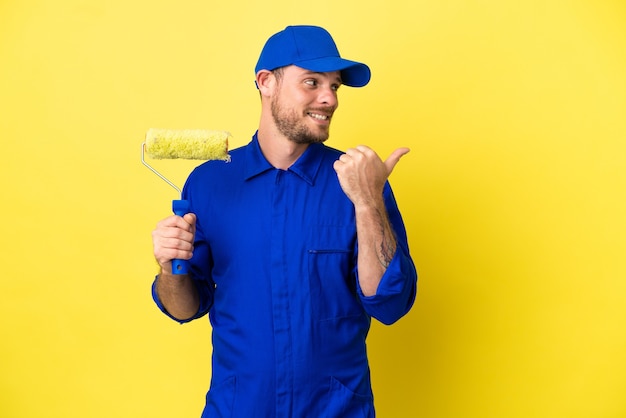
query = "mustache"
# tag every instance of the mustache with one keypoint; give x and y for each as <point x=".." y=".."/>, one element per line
<point x="327" y="110"/>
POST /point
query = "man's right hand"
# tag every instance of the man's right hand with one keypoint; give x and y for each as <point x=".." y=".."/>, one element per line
<point x="173" y="239"/>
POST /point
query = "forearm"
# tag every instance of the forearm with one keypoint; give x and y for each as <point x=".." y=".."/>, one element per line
<point x="377" y="245"/>
<point x="178" y="294"/>
<point x="362" y="176"/>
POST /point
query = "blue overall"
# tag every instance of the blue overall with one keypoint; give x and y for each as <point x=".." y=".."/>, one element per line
<point x="275" y="265"/>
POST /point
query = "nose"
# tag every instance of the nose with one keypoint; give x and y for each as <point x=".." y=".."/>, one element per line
<point x="328" y="96"/>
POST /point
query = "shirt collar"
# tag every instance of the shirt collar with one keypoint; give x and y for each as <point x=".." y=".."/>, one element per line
<point x="306" y="167"/>
<point x="255" y="161"/>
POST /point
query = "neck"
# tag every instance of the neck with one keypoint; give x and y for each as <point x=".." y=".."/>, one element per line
<point x="280" y="151"/>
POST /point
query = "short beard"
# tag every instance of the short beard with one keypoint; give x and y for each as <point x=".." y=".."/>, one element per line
<point x="288" y="125"/>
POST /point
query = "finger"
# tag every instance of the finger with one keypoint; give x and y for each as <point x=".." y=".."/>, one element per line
<point x="175" y="238"/>
<point x="173" y="243"/>
<point x="344" y="158"/>
<point x="167" y="249"/>
<point x="359" y="151"/>
<point x="175" y="227"/>
<point x="190" y="218"/>
<point x="364" y="149"/>
<point x="393" y="159"/>
<point x="186" y="223"/>
<point x="173" y="233"/>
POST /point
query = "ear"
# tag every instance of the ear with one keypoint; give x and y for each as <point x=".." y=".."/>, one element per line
<point x="265" y="81"/>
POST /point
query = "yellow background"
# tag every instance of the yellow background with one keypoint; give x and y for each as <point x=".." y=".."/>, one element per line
<point x="513" y="196"/>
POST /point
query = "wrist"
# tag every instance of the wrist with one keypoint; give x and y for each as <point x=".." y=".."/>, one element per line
<point x="370" y="206"/>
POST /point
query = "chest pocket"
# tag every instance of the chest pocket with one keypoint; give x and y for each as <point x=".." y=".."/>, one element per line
<point x="331" y="279"/>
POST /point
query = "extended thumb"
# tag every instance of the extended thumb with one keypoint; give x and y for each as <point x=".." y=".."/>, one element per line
<point x="393" y="159"/>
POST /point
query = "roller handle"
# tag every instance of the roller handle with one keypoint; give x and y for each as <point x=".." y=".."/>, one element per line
<point x="181" y="208"/>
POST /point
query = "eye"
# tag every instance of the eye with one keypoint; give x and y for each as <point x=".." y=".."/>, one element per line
<point x="335" y="87"/>
<point x="311" y="82"/>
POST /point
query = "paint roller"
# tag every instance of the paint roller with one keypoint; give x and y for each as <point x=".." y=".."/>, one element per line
<point x="189" y="144"/>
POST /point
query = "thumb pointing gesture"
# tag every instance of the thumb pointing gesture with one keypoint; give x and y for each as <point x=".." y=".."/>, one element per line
<point x="393" y="159"/>
<point x="362" y="174"/>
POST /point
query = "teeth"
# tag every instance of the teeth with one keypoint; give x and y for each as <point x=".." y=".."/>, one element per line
<point x="318" y="116"/>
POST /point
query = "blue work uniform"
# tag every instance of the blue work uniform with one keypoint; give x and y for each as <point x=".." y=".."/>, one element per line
<point x="275" y="264"/>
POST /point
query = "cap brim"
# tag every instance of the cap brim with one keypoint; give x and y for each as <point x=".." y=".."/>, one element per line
<point x="353" y="74"/>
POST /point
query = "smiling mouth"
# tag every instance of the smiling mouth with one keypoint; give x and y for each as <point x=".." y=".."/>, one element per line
<point x="318" y="116"/>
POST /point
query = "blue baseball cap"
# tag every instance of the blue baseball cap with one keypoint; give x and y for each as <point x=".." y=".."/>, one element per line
<point x="311" y="48"/>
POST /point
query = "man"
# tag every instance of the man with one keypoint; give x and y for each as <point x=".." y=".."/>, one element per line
<point x="294" y="246"/>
